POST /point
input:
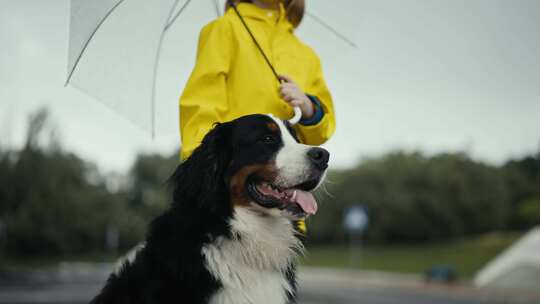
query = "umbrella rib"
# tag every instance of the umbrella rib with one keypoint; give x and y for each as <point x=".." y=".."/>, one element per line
<point x="89" y="39"/>
<point x="216" y="7"/>
<point x="180" y="11"/>
<point x="331" y="29"/>
<point x="156" y="62"/>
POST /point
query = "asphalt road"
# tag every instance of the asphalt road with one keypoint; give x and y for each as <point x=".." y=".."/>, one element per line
<point x="74" y="285"/>
<point x="386" y="295"/>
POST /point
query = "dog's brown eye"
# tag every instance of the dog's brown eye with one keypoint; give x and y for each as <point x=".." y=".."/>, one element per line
<point x="268" y="139"/>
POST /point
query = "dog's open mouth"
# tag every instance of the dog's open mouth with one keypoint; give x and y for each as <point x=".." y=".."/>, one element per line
<point x="297" y="200"/>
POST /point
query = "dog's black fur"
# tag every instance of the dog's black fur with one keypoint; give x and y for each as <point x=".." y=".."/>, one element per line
<point x="171" y="268"/>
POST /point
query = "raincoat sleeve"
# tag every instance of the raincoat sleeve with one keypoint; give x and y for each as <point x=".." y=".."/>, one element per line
<point x="204" y="97"/>
<point x="319" y="133"/>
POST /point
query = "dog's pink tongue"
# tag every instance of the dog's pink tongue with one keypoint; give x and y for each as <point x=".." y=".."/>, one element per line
<point x="306" y="201"/>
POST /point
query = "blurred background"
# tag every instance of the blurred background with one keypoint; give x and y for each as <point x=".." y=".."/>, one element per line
<point x="434" y="189"/>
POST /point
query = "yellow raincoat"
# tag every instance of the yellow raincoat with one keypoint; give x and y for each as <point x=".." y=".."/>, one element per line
<point x="231" y="79"/>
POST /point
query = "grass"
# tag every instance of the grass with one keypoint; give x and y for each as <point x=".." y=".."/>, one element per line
<point x="44" y="263"/>
<point x="466" y="256"/>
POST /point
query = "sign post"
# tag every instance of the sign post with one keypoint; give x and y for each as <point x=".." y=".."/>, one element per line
<point x="355" y="221"/>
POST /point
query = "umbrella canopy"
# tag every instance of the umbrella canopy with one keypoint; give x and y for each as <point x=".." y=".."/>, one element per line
<point x="115" y="47"/>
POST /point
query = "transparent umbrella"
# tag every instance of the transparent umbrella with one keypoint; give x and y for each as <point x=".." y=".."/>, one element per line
<point x="123" y="52"/>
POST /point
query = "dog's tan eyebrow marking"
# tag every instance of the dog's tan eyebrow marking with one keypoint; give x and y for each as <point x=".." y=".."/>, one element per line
<point x="272" y="126"/>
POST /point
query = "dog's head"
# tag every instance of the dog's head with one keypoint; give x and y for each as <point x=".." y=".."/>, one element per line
<point x="259" y="162"/>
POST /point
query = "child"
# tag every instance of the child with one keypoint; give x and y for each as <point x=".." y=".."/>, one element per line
<point x="231" y="78"/>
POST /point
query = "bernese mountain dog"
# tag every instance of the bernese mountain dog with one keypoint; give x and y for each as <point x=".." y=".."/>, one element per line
<point x="228" y="236"/>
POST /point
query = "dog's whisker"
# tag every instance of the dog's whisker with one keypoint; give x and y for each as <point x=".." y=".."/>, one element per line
<point x="325" y="189"/>
<point x="328" y="180"/>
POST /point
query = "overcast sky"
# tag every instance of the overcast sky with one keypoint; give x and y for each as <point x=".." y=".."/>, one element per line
<point x="427" y="75"/>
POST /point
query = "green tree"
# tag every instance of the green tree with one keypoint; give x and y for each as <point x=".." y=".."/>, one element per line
<point x="55" y="203"/>
<point x="529" y="212"/>
<point x="147" y="187"/>
<point x="411" y="197"/>
<point x="523" y="180"/>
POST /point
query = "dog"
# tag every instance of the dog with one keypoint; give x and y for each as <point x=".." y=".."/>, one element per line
<point x="228" y="236"/>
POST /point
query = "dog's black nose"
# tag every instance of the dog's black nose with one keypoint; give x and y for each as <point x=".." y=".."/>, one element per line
<point x="319" y="157"/>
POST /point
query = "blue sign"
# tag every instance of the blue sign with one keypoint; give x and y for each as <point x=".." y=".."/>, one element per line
<point x="355" y="219"/>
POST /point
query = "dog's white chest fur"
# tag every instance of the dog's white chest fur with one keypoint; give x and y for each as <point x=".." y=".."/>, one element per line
<point x="261" y="288"/>
<point x="252" y="264"/>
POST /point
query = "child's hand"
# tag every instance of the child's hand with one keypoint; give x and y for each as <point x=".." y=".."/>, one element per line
<point x="291" y="93"/>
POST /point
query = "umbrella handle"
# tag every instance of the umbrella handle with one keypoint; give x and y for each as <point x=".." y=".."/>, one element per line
<point x="297" y="115"/>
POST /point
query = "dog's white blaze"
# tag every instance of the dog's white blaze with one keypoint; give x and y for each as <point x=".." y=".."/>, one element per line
<point x="292" y="159"/>
<point x="252" y="263"/>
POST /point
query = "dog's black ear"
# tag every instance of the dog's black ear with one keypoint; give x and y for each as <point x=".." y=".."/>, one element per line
<point x="216" y="147"/>
<point x="200" y="178"/>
